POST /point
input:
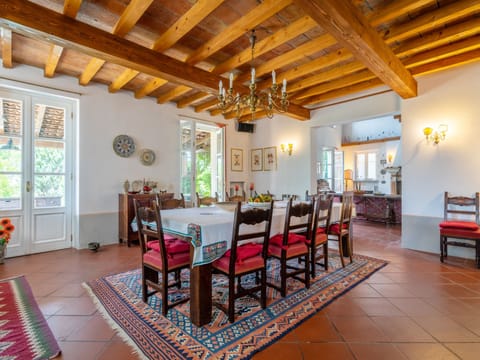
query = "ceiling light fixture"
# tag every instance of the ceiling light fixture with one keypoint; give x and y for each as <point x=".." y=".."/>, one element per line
<point x="269" y="101"/>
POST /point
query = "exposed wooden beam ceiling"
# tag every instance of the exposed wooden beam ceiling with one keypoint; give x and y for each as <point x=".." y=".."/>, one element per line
<point x="178" y="51"/>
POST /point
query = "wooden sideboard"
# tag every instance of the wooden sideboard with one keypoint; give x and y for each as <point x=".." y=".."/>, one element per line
<point x="126" y="213"/>
<point x="384" y="208"/>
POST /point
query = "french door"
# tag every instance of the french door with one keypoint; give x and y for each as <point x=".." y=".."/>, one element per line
<point x="35" y="170"/>
<point x="202" y="167"/>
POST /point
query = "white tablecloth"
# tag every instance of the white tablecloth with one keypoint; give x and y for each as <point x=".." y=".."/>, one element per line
<point x="210" y="228"/>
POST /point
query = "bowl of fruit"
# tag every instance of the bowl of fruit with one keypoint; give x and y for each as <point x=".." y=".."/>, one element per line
<point x="261" y="200"/>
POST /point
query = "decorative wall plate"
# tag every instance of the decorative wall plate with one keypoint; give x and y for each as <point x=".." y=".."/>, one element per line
<point x="123" y="145"/>
<point x="147" y="157"/>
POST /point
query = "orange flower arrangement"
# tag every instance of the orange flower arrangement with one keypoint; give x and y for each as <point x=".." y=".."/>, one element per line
<point x="6" y="228"/>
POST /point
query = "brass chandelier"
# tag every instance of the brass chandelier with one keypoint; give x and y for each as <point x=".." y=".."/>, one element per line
<point x="269" y="101"/>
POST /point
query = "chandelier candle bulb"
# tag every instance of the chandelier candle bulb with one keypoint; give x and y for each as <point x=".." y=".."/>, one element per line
<point x="253" y="75"/>
<point x="274" y="77"/>
<point x="284" y="87"/>
<point x="220" y="86"/>
<point x="231" y="80"/>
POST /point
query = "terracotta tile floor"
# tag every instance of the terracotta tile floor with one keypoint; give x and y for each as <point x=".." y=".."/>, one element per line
<point x="415" y="308"/>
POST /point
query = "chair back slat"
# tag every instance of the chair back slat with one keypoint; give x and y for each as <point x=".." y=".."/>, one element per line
<point x="165" y="204"/>
<point x="149" y="223"/>
<point x="469" y="206"/>
<point x="207" y="200"/>
<point x="303" y="211"/>
<point x="323" y="212"/>
<point x="250" y="217"/>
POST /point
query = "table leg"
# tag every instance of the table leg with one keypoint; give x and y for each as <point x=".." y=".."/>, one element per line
<point x="201" y="294"/>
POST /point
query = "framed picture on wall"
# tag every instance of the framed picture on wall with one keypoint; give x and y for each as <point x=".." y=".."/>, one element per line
<point x="256" y="159"/>
<point x="237" y="159"/>
<point x="270" y="158"/>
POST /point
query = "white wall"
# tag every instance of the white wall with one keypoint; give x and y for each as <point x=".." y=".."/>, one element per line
<point x="100" y="172"/>
<point x="449" y="97"/>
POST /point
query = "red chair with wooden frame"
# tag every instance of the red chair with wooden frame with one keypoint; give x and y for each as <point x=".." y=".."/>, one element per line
<point x="169" y="257"/>
<point x="293" y="243"/>
<point x="246" y="257"/>
<point x="321" y="224"/>
<point x="460" y="222"/>
<point x="207" y="200"/>
<point x="173" y="203"/>
<point x="341" y="230"/>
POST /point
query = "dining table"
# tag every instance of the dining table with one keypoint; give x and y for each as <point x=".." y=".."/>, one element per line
<point x="209" y="230"/>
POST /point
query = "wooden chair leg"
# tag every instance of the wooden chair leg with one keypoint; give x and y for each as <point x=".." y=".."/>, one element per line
<point x="442" y="246"/>
<point x="307" y="271"/>
<point x="231" y="299"/>
<point x="283" y="279"/>
<point x="164" y="294"/>
<point x="340" y="250"/>
<point x="349" y="247"/>
<point x="263" y="292"/>
<point x="313" y="260"/>
<point x="325" y="255"/>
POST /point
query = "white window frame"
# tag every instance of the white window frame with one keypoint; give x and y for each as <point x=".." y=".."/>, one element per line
<point x="368" y="165"/>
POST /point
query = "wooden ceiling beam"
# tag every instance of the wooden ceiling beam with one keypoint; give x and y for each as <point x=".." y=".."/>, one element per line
<point x="309" y="48"/>
<point x="395" y="9"/>
<point x="124" y="24"/>
<point x="27" y="18"/>
<point x="259" y="14"/>
<point x="206" y="105"/>
<point x="343" y="21"/>
<point x="172" y="94"/>
<point x="71" y="7"/>
<point x="181" y="27"/>
<point x="291" y="31"/>
<point x="311" y="67"/>
<point x="129" y="17"/>
<point x="52" y="61"/>
<point x="191" y="99"/>
<point x="441" y="37"/>
<point x="7" y="61"/>
<point x="149" y="87"/>
<point x="432" y="20"/>
<point x="447" y="63"/>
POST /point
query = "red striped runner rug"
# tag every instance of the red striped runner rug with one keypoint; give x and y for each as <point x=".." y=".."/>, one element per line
<point x="24" y="332"/>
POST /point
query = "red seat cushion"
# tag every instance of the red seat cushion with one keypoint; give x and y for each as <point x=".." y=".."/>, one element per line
<point x="293" y="238"/>
<point x="153" y="257"/>
<point x="464" y="225"/>
<point x="335" y="228"/>
<point x="246" y="251"/>
<point x="248" y="265"/>
<point x="173" y="246"/>
<point x="293" y="250"/>
<point x="321" y="230"/>
<point x="460" y="233"/>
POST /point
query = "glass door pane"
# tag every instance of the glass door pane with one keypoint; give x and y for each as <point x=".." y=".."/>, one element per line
<point x="186" y="160"/>
<point x="11" y="112"/>
<point x="49" y="156"/>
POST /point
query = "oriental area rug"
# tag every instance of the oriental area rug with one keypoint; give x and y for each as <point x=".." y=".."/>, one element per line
<point x="24" y="332"/>
<point x="154" y="336"/>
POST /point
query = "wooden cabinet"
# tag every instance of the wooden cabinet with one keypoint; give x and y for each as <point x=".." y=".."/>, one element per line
<point x="385" y="208"/>
<point x="126" y="213"/>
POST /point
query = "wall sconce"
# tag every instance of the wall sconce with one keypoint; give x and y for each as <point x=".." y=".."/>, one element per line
<point x="287" y="148"/>
<point x="436" y="135"/>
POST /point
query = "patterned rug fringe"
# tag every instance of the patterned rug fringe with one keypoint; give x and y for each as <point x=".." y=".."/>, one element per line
<point x="117" y="329"/>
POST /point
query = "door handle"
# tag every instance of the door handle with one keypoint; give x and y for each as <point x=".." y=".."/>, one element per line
<point x="28" y="186"/>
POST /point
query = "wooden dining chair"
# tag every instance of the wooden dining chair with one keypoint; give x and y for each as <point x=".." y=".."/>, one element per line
<point x="236" y="198"/>
<point x="293" y="244"/>
<point x="319" y="237"/>
<point x="246" y="257"/>
<point x="341" y="231"/>
<point x="166" y="258"/>
<point x="460" y="225"/>
<point x="173" y="203"/>
<point x="207" y="200"/>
